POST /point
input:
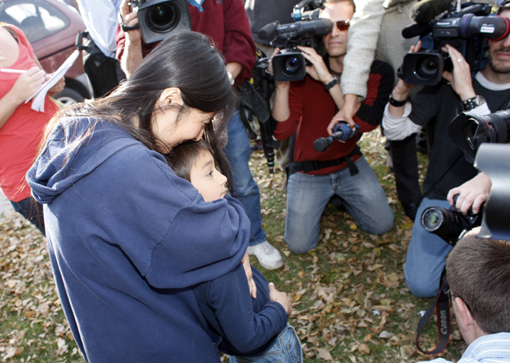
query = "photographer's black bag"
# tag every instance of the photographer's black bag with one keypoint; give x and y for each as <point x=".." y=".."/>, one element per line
<point x="101" y="70"/>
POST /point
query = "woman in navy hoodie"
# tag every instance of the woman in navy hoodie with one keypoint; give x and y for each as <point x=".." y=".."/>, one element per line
<point x="128" y="238"/>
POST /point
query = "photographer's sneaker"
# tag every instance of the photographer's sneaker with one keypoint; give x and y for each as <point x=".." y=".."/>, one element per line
<point x="268" y="256"/>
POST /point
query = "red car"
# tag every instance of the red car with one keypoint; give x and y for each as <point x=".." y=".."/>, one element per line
<point x="51" y="27"/>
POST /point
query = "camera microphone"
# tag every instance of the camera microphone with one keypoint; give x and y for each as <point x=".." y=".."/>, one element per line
<point x="342" y="131"/>
<point x="426" y="10"/>
<point x="415" y="30"/>
<point x="267" y="30"/>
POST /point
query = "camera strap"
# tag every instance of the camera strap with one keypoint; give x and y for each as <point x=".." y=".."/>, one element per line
<point x="313" y="165"/>
<point x="441" y="306"/>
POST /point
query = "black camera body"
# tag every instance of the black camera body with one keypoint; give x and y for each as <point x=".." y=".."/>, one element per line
<point x="449" y="224"/>
<point x="467" y="31"/>
<point x="468" y="132"/>
<point x="158" y="18"/>
<point x="306" y="31"/>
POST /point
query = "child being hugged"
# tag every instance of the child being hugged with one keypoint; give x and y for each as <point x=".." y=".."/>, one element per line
<point x="247" y="317"/>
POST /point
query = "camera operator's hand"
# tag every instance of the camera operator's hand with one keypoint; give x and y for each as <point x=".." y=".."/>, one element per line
<point x="280" y="110"/>
<point x="402" y="89"/>
<point x="130" y="18"/>
<point x="284" y="84"/>
<point x="280" y="297"/>
<point x="461" y="77"/>
<point x="472" y="193"/>
<point x="318" y="69"/>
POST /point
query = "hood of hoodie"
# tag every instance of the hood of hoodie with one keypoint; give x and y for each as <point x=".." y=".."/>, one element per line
<point x="62" y="162"/>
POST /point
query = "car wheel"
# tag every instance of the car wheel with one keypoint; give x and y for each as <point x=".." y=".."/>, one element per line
<point x="69" y="96"/>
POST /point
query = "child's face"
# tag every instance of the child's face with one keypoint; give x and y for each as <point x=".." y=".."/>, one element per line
<point x="209" y="181"/>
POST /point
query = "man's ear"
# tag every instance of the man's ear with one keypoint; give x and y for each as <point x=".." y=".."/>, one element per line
<point x="169" y="96"/>
<point x="463" y="315"/>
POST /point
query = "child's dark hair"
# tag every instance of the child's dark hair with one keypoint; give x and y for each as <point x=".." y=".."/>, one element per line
<point x="182" y="158"/>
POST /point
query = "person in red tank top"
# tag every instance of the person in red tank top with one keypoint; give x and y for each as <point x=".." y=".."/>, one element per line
<point x="21" y="128"/>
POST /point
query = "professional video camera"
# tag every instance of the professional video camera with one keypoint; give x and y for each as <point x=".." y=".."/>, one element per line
<point x="158" y="18"/>
<point x="469" y="132"/>
<point x="449" y="224"/>
<point x="307" y="31"/>
<point x="466" y="30"/>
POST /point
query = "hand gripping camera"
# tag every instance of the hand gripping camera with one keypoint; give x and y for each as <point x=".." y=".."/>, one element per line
<point x="158" y="18"/>
<point x="467" y="31"/>
<point x="307" y="31"/>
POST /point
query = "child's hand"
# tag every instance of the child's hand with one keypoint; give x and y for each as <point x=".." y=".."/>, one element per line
<point x="280" y="297"/>
<point x="249" y="275"/>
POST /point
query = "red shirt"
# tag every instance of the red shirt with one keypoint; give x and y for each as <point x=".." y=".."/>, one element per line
<point x="226" y="23"/>
<point x="312" y="108"/>
<point x="21" y="134"/>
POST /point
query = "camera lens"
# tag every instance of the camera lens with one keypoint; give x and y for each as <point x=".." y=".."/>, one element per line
<point x="471" y="130"/>
<point x="427" y="67"/>
<point x="162" y="17"/>
<point x="291" y="66"/>
<point x="432" y="219"/>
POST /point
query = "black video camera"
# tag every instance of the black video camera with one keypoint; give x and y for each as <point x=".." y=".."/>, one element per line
<point x="449" y="224"/>
<point x="158" y="18"/>
<point x="307" y="31"/>
<point x="467" y="31"/>
<point x="469" y="132"/>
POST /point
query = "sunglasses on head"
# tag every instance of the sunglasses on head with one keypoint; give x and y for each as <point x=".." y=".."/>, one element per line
<point x="343" y="24"/>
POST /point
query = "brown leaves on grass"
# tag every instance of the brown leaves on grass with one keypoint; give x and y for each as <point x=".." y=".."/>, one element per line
<point x="32" y="318"/>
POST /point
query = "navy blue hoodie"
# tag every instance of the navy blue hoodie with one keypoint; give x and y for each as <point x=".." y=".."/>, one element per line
<point x="127" y="240"/>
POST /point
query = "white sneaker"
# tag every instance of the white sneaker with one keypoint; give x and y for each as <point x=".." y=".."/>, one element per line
<point x="268" y="256"/>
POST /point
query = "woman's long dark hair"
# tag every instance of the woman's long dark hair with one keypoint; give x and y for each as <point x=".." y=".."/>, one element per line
<point x="186" y="60"/>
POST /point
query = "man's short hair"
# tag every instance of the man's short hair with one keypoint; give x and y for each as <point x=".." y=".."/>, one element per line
<point x="478" y="271"/>
<point x="340" y="1"/>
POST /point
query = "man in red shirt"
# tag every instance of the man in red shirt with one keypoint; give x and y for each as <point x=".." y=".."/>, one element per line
<point x="304" y="110"/>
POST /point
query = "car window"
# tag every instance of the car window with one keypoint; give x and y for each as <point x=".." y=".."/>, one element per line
<point x="37" y="18"/>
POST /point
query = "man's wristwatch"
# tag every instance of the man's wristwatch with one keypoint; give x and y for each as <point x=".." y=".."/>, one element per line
<point x="472" y="103"/>
<point x="331" y="84"/>
<point x="397" y="103"/>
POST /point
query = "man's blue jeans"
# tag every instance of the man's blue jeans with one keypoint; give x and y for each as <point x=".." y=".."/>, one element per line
<point x="308" y="195"/>
<point x="286" y="348"/>
<point x="426" y="255"/>
<point x="238" y="152"/>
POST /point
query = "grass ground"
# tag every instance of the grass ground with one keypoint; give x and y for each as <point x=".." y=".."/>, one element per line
<point x="350" y="300"/>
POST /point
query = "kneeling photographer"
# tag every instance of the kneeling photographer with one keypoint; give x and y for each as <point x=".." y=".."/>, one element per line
<point x="322" y="167"/>
<point x="435" y="107"/>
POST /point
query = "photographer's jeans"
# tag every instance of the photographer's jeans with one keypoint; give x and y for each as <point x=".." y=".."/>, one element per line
<point x="426" y="255"/>
<point x="238" y="152"/>
<point x="285" y="349"/>
<point x="308" y="195"/>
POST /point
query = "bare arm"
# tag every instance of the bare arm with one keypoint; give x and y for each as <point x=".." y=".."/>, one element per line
<point x="25" y="86"/>
<point x="132" y="56"/>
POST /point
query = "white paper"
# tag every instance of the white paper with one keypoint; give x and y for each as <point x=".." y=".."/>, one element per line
<point x="40" y="94"/>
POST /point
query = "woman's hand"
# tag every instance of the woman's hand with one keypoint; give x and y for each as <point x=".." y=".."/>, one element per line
<point x="280" y="297"/>
<point x="27" y="84"/>
<point x="249" y="275"/>
<point x="59" y="87"/>
<point x="472" y="193"/>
